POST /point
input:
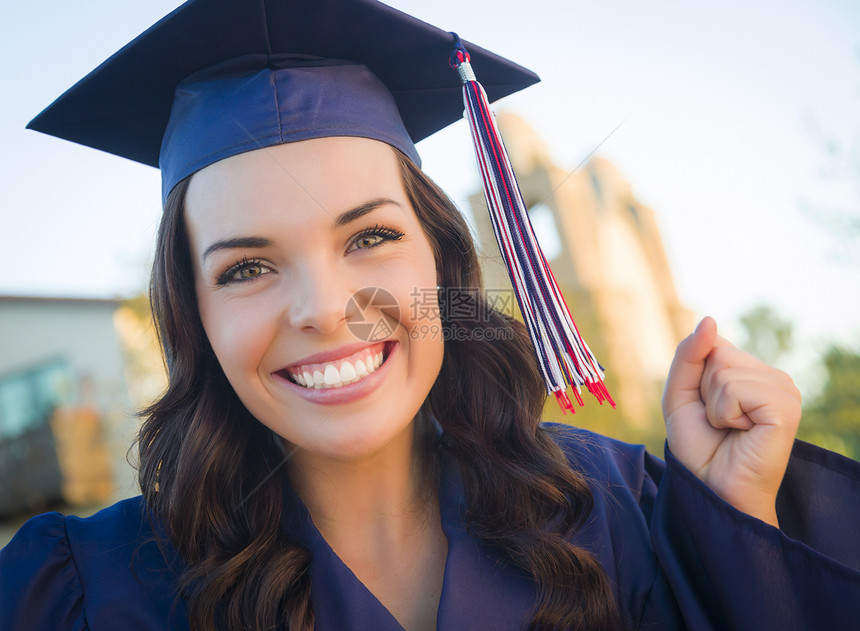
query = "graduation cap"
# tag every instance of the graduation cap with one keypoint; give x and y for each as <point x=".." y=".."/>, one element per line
<point x="216" y="78"/>
<point x="216" y="62"/>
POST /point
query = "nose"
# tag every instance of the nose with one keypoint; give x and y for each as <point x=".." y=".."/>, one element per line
<point x="318" y="296"/>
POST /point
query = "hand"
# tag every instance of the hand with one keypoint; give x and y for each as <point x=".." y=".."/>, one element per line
<point x="731" y="420"/>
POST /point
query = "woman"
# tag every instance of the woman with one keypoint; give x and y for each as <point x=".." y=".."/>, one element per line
<point x="412" y="486"/>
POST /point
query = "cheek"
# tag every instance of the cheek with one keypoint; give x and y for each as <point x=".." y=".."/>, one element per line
<point x="239" y="334"/>
<point x="421" y="316"/>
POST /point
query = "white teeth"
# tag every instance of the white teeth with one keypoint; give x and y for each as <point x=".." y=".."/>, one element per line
<point x="347" y="372"/>
<point x="360" y="368"/>
<point x="329" y="376"/>
<point x="332" y="376"/>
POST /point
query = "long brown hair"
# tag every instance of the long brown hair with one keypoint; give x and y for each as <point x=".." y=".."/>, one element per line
<point x="206" y="465"/>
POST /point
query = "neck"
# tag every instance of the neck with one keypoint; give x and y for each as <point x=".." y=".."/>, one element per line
<point x="380" y="515"/>
<point x="381" y="496"/>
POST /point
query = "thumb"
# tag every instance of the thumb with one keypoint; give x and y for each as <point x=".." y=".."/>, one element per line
<point x="688" y="366"/>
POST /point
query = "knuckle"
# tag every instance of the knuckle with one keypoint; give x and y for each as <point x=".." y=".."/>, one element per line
<point x="717" y="378"/>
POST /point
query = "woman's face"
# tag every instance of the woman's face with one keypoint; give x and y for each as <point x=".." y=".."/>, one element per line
<point x="282" y="241"/>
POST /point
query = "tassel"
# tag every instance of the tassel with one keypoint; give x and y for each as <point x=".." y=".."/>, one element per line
<point x="564" y="357"/>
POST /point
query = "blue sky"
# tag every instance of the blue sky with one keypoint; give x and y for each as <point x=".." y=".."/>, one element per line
<point x="719" y="103"/>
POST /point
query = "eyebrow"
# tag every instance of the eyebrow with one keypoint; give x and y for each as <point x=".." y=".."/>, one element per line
<point x="261" y="242"/>
<point x="361" y="211"/>
<point x="236" y="242"/>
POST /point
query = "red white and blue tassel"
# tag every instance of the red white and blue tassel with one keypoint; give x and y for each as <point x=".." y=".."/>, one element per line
<point x="564" y="357"/>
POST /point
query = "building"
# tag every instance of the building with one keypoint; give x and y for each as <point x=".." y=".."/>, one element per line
<point x="67" y="411"/>
<point x="606" y="253"/>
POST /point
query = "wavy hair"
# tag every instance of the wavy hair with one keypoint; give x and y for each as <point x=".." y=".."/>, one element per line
<point x="206" y="463"/>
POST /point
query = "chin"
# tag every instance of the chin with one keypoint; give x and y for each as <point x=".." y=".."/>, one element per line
<point x="354" y="439"/>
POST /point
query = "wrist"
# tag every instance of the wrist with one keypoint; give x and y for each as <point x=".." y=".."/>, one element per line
<point x="761" y="507"/>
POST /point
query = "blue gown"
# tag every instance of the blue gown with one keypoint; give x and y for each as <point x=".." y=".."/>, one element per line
<point x="677" y="555"/>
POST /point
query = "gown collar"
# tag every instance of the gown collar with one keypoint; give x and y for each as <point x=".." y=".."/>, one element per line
<point x="480" y="590"/>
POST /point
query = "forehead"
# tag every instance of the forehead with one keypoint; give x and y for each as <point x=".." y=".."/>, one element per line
<point x="310" y="179"/>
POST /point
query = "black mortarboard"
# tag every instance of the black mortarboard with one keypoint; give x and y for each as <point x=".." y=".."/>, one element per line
<point x="261" y="72"/>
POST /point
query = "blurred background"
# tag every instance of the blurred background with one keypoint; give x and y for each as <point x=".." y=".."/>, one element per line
<point x="679" y="161"/>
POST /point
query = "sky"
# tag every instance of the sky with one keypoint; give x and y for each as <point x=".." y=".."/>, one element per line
<point x="736" y="122"/>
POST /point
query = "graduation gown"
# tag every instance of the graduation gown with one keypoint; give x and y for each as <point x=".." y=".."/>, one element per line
<point x="677" y="555"/>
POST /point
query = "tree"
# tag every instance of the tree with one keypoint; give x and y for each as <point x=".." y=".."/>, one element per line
<point x="832" y="419"/>
<point x="768" y="336"/>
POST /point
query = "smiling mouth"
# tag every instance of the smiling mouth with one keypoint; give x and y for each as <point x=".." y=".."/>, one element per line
<point x="341" y="372"/>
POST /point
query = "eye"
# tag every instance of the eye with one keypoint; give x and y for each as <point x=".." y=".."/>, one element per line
<point x="374" y="237"/>
<point x="243" y="271"/>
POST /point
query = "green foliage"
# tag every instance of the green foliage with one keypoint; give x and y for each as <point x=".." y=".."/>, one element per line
<point x="832" y="419"/>
<point x="768" y="336"/>
<point x="139" y="305"/>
